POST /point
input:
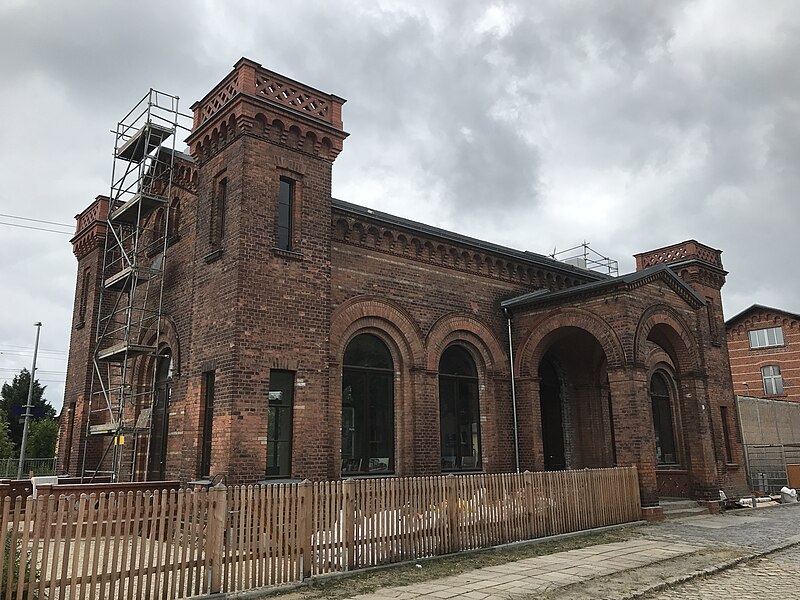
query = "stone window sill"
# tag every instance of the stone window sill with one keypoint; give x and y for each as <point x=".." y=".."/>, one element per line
<point x="290" y="254"/>
<point x="212" y="256"/>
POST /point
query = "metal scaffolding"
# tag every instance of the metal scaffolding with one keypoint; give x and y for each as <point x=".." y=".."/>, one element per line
<point x="129" y="327"/>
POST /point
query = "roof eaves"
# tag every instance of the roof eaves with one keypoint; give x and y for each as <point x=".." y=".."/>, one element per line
<point x="525" y="256"/>
<point x="595" y="286"/>
<point x="754" y="307"/>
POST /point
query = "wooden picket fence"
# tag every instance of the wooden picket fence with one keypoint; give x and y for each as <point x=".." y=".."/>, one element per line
<point x="176" y="544"/>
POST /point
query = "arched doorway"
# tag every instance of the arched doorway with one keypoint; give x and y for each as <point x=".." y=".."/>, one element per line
<point x="159" y="419"/>
<point x="367" y="407"/>
<point x="576" y="420"/>
<point x="459" y="411"/>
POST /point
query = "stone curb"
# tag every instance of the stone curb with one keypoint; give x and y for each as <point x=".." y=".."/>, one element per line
<point x="713" y="569"/>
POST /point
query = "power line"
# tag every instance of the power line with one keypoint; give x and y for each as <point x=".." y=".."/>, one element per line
<point x="37" y="370"/>
<point x="36" y="228"/>
<point x="11" y="353"/>
<point x="36" y="220"/>
<point x="15" y="347"/>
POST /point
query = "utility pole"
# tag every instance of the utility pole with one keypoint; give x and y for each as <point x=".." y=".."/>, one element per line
<point x="28" y="405"/>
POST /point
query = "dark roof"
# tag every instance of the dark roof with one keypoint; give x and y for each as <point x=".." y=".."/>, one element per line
<point x="177" y="154"/>
<point x="520" y="255"/>
<point x="660" y="270"/>
<point x="755" y="307"/>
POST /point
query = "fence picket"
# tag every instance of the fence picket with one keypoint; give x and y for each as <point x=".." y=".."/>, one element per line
<point x="173" y="544"/>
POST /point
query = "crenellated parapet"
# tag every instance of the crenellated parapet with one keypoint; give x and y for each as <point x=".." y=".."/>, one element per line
<point x="256" y="101"/>
<point x="691" y="260"/>
<point x="688" y="250"/>
<point x="90" y="227"/>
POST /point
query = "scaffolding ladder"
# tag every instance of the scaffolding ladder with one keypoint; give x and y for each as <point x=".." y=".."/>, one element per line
<point x="129" y="325"/>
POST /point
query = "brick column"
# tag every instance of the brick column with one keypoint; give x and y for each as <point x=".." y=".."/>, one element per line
<point x="698" y="439"/>
<point x="529" y="414"/>
<point x="426" y="443"/>
<point x="633" y="427"/>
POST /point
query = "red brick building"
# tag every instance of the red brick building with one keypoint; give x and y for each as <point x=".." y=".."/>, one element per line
<point x="303" y="336"/>
<point x="764" y="349"/>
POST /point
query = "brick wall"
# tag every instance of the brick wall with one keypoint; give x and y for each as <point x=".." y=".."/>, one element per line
<point x="238" y="305"/>
<point x="746" y="363"/>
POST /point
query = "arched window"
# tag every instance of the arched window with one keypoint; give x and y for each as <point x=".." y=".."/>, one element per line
<point x="661" y="398"/>
<point x="367" y="407"/>
<point x="459" y="411"/>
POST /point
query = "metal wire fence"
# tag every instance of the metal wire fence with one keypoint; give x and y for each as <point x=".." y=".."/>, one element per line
<point x="32" y="467"/>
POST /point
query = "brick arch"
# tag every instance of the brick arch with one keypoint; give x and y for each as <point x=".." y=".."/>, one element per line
<point x="533" y="349"/>
<point x="367" y="313"/>
<point x="167" y="337"/>
<point x="460" y="327"/>
<point x="683" y="342"/>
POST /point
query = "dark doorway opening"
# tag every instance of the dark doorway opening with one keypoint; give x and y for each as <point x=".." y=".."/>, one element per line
<point x="552" y="420"/>
<point x="156" y="464"/>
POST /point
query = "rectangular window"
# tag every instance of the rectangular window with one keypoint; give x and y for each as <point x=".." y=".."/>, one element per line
<point x="207" y="420"/>
<point x="726" y="433"/>
<point x="712" y="317"/>
<point x="764" y="338"/>
<point x="773" y="382"/>
<point x="279" y="423"/>
<point x="84" y="299"/>
<point x="285" y="208"/>
<point x="219" y="207"/>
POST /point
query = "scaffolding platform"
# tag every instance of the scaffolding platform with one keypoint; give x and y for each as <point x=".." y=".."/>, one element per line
<point x="103" y="429"/>
<point x="149" y="137"/>
<point x="138" y="207"/>
<point x="124" y="350"/>
<point x="124" y="280"/>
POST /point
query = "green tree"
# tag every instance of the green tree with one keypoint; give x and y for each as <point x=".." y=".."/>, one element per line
<point x="7" y="449"/>
<point x="42" y="439"/>
<point x="13" y="398"/>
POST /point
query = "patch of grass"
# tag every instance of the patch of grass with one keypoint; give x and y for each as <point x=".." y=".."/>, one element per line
<point x="365" y="582"/>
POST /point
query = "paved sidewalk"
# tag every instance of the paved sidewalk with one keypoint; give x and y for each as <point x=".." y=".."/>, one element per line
<point x="523" y="578"/>
<point x="660" y="555"/>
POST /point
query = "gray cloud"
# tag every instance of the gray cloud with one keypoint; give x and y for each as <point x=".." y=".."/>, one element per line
<point x="632" y="125"/>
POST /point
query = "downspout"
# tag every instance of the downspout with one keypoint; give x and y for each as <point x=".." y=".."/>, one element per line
<point x="513" y="390"/>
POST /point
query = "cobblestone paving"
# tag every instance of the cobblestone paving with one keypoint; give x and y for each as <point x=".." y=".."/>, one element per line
<point x="773" y="576"/>
<point x="743" y="528"/>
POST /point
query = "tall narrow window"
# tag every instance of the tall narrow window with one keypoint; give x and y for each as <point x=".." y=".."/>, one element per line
<point x="712" y="318"/>
<point x="285" y="208"/>
<point x="459" y="411"/>
<point x="209" y="381"/>
<point x="662" y="420"/>
<point x="726" y="433"/>
<point x="174" y="217"/>
<point x="84" y="298"/>
<point x="773" y="381"/>
<point x="279" y="423"/>
<point x="367" y="407"/>
<point x="219" y="207"/>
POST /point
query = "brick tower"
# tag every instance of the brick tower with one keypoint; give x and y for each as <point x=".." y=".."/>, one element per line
<point x="264" y="146"/>
<point x="87" y="245"/>
<point x="701" y="267"/>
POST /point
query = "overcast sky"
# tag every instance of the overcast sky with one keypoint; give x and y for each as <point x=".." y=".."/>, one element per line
<point x="538" y="125"/>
